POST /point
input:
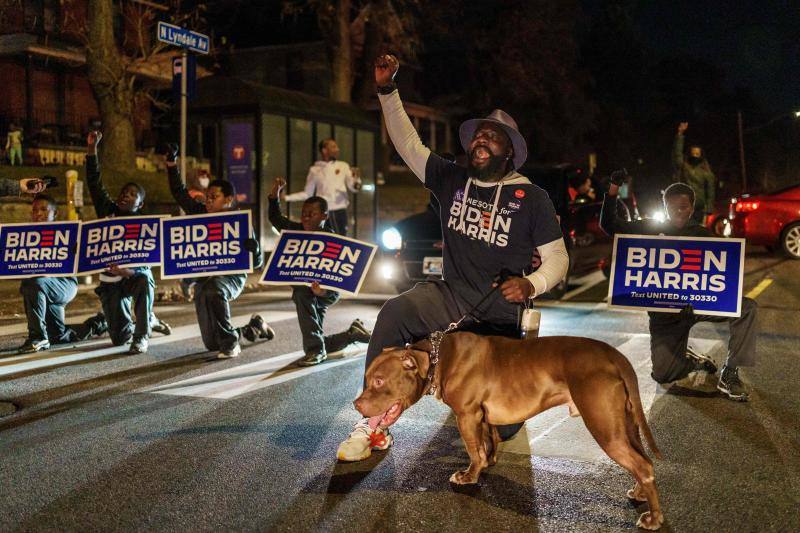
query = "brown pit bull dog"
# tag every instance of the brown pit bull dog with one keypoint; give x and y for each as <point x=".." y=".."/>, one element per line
<point x="490" y="381"/>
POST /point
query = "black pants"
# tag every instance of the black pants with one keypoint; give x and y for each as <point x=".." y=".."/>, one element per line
<point x="311" y="311"/>
<point x="415" y="314"/>
<point x="669" y="337"/>
<point x="116" y="300"/>
<point x="211" y="301"/>
<point x="44" y="300"/>
<point x="337" y="218"/>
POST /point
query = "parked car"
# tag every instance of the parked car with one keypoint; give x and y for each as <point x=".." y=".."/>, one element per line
<point x="771" y="220"/>
<point x="412" y="248"/>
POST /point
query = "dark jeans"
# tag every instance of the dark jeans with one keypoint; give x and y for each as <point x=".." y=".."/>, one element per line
<point x="669" y="337"/>
<point x="44" y="300"/>
<point x="211" y="301"/>
<point x="116" y="299"/>
<point x="337" y="219"/>
<point x="415" y="314"/>
<point x="311" y="311"/>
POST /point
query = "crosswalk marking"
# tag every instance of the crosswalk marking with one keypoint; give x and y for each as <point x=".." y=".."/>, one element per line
<point x="22" y="327"/>
<point x="232" y="382"/>
<point x="586" y="283"/>
<point x="27" y="362"/>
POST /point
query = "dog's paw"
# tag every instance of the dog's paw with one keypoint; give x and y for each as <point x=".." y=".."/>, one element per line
<point x="650" y="521"/>
<point x="462" y="477"/>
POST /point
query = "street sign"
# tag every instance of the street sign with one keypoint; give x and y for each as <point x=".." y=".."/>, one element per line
<point x="170" y="34"/>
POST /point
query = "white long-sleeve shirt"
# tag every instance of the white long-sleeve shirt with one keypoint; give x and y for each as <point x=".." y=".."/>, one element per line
<point x="329" y="179"/>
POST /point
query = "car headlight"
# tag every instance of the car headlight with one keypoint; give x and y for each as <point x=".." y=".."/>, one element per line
<point x="387" y="270"/>
<point x="391" y="239"/>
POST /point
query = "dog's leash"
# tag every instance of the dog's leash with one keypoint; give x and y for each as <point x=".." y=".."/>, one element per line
<point x="437" y="337"/>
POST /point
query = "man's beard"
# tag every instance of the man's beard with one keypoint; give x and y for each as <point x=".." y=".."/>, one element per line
<point x="494" y="170"/>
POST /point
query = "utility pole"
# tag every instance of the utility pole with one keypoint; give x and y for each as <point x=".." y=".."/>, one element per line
<point x="184" y="90"/>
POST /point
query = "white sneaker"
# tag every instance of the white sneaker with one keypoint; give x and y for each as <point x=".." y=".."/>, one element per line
<point x="230" y="353"/>
<point x="359" y="445"/>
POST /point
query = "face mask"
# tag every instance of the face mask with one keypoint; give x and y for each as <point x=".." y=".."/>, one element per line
<point x="694" y="161"/>
<point x="204" y="182"/>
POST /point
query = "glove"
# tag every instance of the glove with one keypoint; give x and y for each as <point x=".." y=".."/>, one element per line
<point x="619" y="177"/>
<point x="251" y="245"/>
<point x="171" y="152"/>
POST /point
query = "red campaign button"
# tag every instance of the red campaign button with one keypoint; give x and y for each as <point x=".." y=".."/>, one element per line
<point x="519" y="193"/>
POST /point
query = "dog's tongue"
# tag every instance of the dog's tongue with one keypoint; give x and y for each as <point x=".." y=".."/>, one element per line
<point x="390" y="416"/>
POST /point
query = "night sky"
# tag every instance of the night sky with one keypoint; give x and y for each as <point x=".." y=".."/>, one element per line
<point x="755" y="42"/>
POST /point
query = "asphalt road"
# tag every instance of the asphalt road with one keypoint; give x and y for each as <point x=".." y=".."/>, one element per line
<point x="176" y="440"/>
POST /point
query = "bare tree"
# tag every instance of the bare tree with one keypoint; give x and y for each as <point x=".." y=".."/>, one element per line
<point x="113" y="86"/>
<point x="118" y="58"/>
<point x="356" y="31"/>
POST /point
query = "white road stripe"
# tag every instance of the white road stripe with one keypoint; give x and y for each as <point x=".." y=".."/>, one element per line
<point x="22" y="326"/>
<point x="586" y="283"/>
<point x="362" y="296"/>
<point x="23" y="363"/>
<point x="585" y="306"/>
<point x="233" y="382"/>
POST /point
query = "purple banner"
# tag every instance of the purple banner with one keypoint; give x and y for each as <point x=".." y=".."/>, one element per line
<point x="239" y="158"/>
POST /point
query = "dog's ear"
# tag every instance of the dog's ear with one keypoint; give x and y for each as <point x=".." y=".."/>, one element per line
<point x="416" y="360"/>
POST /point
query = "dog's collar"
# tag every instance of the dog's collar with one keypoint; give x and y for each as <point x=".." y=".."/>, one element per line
<point x="436" y="341"/>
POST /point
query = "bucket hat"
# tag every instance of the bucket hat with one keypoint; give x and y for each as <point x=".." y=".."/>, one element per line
<point x="504" y="120"/>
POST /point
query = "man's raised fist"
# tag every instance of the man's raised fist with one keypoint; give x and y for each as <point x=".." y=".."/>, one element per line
<point x="386" y="67"/>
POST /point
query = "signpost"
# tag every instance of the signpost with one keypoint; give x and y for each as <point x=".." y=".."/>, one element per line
<point x="188" y="40"/>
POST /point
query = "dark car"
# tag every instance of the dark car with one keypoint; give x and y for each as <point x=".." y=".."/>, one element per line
<point x="413" y="246"/>
<point x="771" y="220"/>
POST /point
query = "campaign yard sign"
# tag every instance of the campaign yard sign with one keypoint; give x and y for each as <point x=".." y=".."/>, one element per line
<point x="661" y="273"/>
<point x="123" y="241"/>
<point x="336" y="262"/>
<point x="206" y="245"/>
<point x="38" y="249"/>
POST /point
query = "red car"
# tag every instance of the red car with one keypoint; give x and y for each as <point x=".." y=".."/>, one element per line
<point x="771" y="220"/>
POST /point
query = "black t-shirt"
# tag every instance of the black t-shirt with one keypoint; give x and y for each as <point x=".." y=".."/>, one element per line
<point x="483" y="239"/>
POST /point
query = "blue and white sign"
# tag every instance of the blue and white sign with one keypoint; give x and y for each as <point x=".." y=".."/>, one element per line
<point x="336" y="262"/>
<point x="661" y="273"/>
<point x="206" y="245"/>
<point x="122" y="241"/>
<point x="38" y="249"/>
<point x="175" y="35"/>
